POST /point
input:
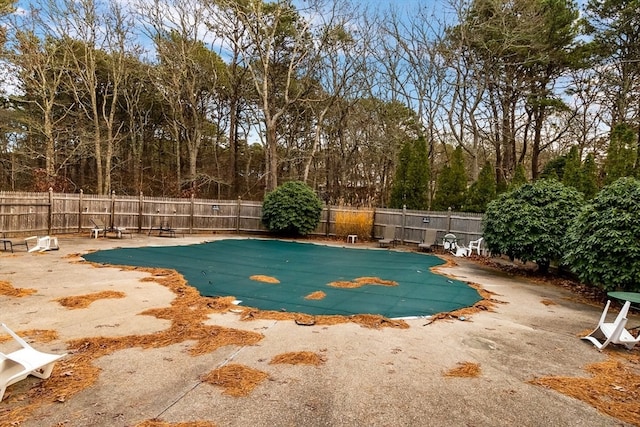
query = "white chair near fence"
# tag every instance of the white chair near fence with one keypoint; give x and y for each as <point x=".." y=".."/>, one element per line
<point x="44" y="243"/>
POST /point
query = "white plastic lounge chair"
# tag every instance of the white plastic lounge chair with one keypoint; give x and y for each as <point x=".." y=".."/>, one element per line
<point x="607" y="333"/>
<point x="389" y="237"/>
<point x="44" y="243"/>
<point x="19" y="364"/>
<point x="475" y="244"/>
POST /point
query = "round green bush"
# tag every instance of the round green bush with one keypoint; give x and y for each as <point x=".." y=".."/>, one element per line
<point x="604" y="240"/>
<point x="531" y="222"/>
<point x="291" y="209"/>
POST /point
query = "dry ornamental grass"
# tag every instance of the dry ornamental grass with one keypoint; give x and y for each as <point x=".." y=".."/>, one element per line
<point x="354" y="222"/>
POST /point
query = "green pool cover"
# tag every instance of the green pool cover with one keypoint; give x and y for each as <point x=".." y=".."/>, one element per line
<point x="224" y="267"/>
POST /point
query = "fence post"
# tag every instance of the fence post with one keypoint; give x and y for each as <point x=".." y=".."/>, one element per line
<point x="404" y="224"/>
<point x="449" y="220"/>
<point x="50" y="213"/>
<point x="238" y="207"/>
<point x="373" y="224"/>
<point x="80" y="210"/>
<point x="192" y="208"/>
<point x="328" y="224"/>
<point x="140" y="212"/>
<point x="113" y="209"/>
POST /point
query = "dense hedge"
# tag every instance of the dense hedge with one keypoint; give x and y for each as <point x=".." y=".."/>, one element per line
<point x="530" y="223"/>
<point x="604" y="240"/>
<point x="291" y="209"/>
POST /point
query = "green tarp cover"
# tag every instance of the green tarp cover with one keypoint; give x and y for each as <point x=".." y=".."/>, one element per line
<point x="224" y="267"/>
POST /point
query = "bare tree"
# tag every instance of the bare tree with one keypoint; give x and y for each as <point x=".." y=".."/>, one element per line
<point x="276" y="47"/>
<point x="41" y="62"/>
<point x="187" y="75"/>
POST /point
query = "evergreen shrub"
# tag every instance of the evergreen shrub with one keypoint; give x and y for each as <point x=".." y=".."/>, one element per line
<point x="291" y="209"/>
<point x="604" y="240"/>
<point x="531" y="222"/>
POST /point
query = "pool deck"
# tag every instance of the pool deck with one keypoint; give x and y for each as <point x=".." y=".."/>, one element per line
<point x="371" y="377"/>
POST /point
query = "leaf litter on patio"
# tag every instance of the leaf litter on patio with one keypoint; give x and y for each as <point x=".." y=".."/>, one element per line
<point x="84" y="301"/>
<point x="187" y="313"/>
<point x="8" y="290"/>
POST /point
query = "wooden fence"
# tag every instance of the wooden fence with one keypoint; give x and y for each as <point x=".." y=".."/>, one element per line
<point x="61" y="213"/>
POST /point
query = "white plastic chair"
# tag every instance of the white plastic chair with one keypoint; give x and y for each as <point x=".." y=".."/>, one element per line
<point x="44" y="243"/>
<point x="19" y="364"/>
<point x="606" y="333"/>
<point x="449" y="242"/>
<point x="475" y="244"/>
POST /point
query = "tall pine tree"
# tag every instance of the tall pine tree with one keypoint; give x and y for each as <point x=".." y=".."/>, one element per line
<point x="589" y="177"/>
<point x="572" y="175"/>
<point x="621" y="154"/>
<point x="411" y="181"/>
<point x="481" y="192"/>
<point x="452" y="184"/>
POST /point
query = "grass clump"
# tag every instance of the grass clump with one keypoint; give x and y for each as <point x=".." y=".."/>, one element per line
<point x="354" y="222"/>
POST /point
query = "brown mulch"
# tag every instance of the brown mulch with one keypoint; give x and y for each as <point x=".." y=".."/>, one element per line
<point x="464" y="370"/>
<point x="38" y="335"/>
<point x="84" y="301"/>
<point x="264" y="279"/>
<point x="8" y="290"/>
<point x="317" y="295"/>
<point x="362" y="281"/>
<point x="237" y="380"/>
<point x="160" y="423"/>
<point x="613" y="387"/>
<point x="299" y="358"/>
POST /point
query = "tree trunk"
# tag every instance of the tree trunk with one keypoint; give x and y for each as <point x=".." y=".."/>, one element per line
<point x="272" y="157"/>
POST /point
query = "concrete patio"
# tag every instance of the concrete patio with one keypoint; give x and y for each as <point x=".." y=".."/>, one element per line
<point x="371" y="377"/>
